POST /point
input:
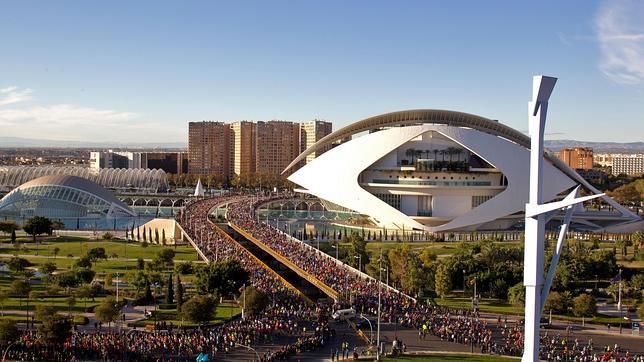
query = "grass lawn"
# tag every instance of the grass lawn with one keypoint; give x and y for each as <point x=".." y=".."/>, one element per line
<point x="224" y="311"/>
<point x="77" y="247"/>
<point x="486" y="305"/>
<point x="449" y="357"/>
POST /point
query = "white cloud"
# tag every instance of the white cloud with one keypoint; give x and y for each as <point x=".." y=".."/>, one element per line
<point x="13" y="94"/>
<point x="620" y="32"/>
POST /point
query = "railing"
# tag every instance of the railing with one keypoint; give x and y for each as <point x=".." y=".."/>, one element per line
<point x="339" y="263"/>
<point x="301" y="272"/>
<point x="431" y="182"/>
<point x="194" y="245"/>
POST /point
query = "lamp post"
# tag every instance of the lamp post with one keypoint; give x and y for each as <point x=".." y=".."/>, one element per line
<point x="370" y="327"/>
<point x="336" y="247"/>
<point x="249" y="348"/>
<point x="359" y="257"/>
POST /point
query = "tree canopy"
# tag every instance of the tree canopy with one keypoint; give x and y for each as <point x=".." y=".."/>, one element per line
<point x="224" y="277"/>
<point x="37" y="225"/>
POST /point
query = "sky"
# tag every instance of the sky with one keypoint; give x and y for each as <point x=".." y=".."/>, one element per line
<point x="139" y="71"/>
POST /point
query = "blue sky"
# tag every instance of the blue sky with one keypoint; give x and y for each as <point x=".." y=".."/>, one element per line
<point x="139" y="71"/>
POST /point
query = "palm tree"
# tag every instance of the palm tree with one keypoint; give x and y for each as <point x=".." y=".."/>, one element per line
<point x="411" y="153"/>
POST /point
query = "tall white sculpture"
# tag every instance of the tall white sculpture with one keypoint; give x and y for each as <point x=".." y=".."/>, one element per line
<point x="199" y="191"/>
<point x="535" y="219"/>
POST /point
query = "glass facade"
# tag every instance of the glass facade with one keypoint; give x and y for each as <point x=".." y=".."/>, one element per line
<point x="111" y="178"/>
<point x="57" y="201"/>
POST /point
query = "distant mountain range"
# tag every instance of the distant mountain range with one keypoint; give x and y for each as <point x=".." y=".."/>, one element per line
<point x="598" y="147"/>
<point x="17" y="142"/>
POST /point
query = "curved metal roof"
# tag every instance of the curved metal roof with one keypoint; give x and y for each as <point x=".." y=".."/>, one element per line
<point x="414" y="117"/>
<point x="75" y="182"/>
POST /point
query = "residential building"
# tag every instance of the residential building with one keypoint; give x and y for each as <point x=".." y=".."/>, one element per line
<point x="277" y="144"/>
<point x="311" y="132"/>
<point x="242" y="147"/>
<point x="580" y="158"/>
<point x="208" y="148"/>
<point x="632" y="165"/>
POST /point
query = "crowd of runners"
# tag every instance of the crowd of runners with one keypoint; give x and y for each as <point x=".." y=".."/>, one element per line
<point x="291" y="324"/>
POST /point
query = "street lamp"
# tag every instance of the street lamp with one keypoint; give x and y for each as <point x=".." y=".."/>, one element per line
<point x="359" y="257"/>
<point x="370" y="327"/>
<point x="249" y="348"/>
<point x="336" y="247"/>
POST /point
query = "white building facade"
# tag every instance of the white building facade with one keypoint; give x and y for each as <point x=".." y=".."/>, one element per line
<point x="436" y="170"/>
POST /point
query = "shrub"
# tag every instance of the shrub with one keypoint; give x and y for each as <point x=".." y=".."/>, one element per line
<point x="200" y="308"/>
<point x="80" y="320"/>
<point x="108" y="236"/>
<point x="584" y="305"/>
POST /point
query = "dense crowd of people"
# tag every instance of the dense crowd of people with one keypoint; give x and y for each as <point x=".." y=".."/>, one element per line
<point x="457" y="326"/>
<point x="284" y="323"/>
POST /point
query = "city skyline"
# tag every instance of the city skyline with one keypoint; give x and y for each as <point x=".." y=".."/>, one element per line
<point x="75" y="71"/>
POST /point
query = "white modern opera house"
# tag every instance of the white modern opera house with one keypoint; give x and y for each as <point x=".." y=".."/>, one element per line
<point x="438" y="170"/>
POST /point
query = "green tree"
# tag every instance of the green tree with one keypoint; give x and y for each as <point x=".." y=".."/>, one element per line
<point x="55" y="251"/>
<point x="84" y="275"/>
<point x="96" y="254"/>
<point x="37" y="225"/>
<point x="48" y="268"/>
<point x="164" y="258"/>
<point x="57" y="225"/>
<point x="358" y="254"/>
<point x="4" y="295"/>
<point x="84" y="292"/>
<point x="9" y="332"/>
<point x="107" y="280"/>
<point x="8" y="226"/>
<point x="199" y="309"/>
<point x="18" y="265"/>
<point x="55" y="329"/>
<point x="139" y="280"/>
<point x="516" y="294"/>
<point x="44" y="311"/>
<point x="225" y="277"/>
<point x="71" y="302"/>
<point x="108" y="311"/>
<point x="169" y="291"/>
<point x="254" y="300"/>
<point x="584" y="305"/>
<point x="557" y="302"/>
<point x="140" y="264"/>
<point x="178" y="294"/>
<point x="83" y="262"/>
<point x="443" y="282"/>
<point x="20" y="288"/>
<point x="67" y="280"/>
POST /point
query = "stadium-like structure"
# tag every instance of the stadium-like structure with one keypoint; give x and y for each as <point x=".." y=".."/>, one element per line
<point x="438" y="170"/>
<point x="112" y="178"/>
<point x="61" y="196"/>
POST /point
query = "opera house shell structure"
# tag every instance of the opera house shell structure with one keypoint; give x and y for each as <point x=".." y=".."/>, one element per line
<point x="437" y="170"/>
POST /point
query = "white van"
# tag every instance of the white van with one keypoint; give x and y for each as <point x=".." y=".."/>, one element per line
<point x="342" y="314"/>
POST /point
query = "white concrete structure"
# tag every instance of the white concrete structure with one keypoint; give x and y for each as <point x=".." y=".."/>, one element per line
<point x="438" y="170"/>
<point x="199" y="190"/>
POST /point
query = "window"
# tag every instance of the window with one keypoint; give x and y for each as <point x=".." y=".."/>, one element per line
<point x="478" y="200"/>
